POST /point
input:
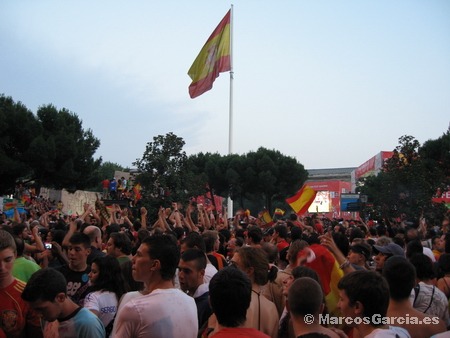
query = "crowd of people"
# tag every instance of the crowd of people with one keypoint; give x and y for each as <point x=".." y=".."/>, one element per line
<point x="190" y="272"/>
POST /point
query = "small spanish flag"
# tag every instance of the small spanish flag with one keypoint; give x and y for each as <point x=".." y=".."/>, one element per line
<point x="265" y="215"/>
<point x="301" y="201"/>
<point x="279" y="212"/>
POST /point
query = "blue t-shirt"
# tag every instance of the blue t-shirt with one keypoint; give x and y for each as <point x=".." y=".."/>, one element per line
<point x="82" y="323"/>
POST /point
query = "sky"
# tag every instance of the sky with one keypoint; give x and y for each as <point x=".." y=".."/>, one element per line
<point x="331" y="83"/>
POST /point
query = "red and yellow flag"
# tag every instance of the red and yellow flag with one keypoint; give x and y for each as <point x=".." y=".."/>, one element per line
<point x="137" y="192"/>
<point x="279" y="212"/>
<point x="214" y="58"/>
<point x="265" y="216"/>
<point x="329" y="273"/>
<point x="301" y="201"/>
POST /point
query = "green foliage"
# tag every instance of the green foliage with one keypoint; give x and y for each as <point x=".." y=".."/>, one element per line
<point x="162" y="168"/>
<point x="50" y="149"/>
<point x="18" y="127"/>
<point x="105" y="170"/>
<point x="409" y="180"/>
<point x="272" y="175"/>
<point x="258" y="178"/>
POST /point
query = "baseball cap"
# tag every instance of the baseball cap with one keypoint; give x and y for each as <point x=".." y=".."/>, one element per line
<point x="363" y="249"/>
<point x="390" y="249"/>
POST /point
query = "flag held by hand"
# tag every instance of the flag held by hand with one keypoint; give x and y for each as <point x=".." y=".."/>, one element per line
<point x="301" y="201"/>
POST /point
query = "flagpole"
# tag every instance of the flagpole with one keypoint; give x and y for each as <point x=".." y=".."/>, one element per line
<point x="230" y="121"/>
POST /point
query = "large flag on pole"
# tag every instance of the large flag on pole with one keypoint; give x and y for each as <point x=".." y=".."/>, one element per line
<point x="301" y="201"/>
<point x="214" y="58"/>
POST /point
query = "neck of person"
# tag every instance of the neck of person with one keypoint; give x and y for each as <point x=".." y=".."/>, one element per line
<point x="68" y="308"/>
<point x="256" y="288"/>
<point x="157" y="283"/>
<point x="399" y="305"/>
<point x="301" y="328"/>
<point x="220" y="327"/>
<point x="80" y="268"/>
<point x="7" y="281"/>
<point x="366" y="329"/>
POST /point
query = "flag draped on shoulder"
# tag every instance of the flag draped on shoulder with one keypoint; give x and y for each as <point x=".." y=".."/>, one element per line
<point x="301" y="201"/>
<point x="214" y="58"/>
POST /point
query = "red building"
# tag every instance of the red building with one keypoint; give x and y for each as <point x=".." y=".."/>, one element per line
<point x="328" y="198"/>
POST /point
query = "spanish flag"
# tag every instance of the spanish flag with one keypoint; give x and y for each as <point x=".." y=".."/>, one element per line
<point x="329" y="273"/>
<point x="301" y="201"/>
<point x="279" y="212"/>
<point x="137" y="192"/>
<point x="265" y="216"/>
<point x="214" y="58"/>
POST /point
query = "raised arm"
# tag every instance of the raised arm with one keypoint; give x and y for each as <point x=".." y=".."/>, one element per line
<point x="328" y="241"/>
<point x="143" y="217"/>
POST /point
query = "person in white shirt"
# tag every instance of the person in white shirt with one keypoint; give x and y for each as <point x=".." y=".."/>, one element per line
<point x="426" y="297"/>
<point x="162" y="311"/>
<point x="106" y="288"/>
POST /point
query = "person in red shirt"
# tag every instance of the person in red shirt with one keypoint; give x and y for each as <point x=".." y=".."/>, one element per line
<point x="105" y="186"/>
<point x="229" y="294"/>
<point x="17" y="319"/>
<point x="279" y="236"/>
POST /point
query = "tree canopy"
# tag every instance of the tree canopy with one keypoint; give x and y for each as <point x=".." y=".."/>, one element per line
<point x="409" y="180"/>
<point x="50" y="149"/>
<point x="264" y="176"/>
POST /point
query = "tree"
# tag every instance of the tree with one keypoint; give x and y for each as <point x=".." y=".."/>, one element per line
<point x="50" y="149"/>
<point x="262" y="177"/>
<point x="436" y="159"/>
<point x="62" y="156"/>
<point x="272" y="176"/>
<point x="18" y="128"/>
<point x="162" y="168"/>
<point x="105" y="170"/>
<point x="409" y="179"/>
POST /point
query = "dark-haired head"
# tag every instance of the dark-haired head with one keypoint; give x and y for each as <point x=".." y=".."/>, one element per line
<point x="230" y="295"/>
<point x="164" y="248"/>
<point x="109" y="275"/>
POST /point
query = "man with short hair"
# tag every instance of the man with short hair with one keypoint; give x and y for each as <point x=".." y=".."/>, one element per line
<point x="162" y="311"/>
<point x="195" y="240"/>
<point x="23" y="268"/>
<point x="437" y="246"/>
<point x="279" y="236"/>
<point x="119" y="246"/>
<point x="95" y="235"/>
<point x="232" y="245"/>
<point x="46" y="292"/>
<point x="401" y="277"/>
<point x="212" y="243"/>
<point x="230" y="293"/>
<point x="365" y="295"/>
<point x="17" y="319"/>
<point x="254" y="236"/>
<point x="77" y="271"/>
<point x="305" y="298"/>
<point x="191" y="271"/>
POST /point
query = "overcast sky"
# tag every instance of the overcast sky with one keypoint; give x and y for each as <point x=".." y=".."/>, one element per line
<point x="330" y="83"/>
